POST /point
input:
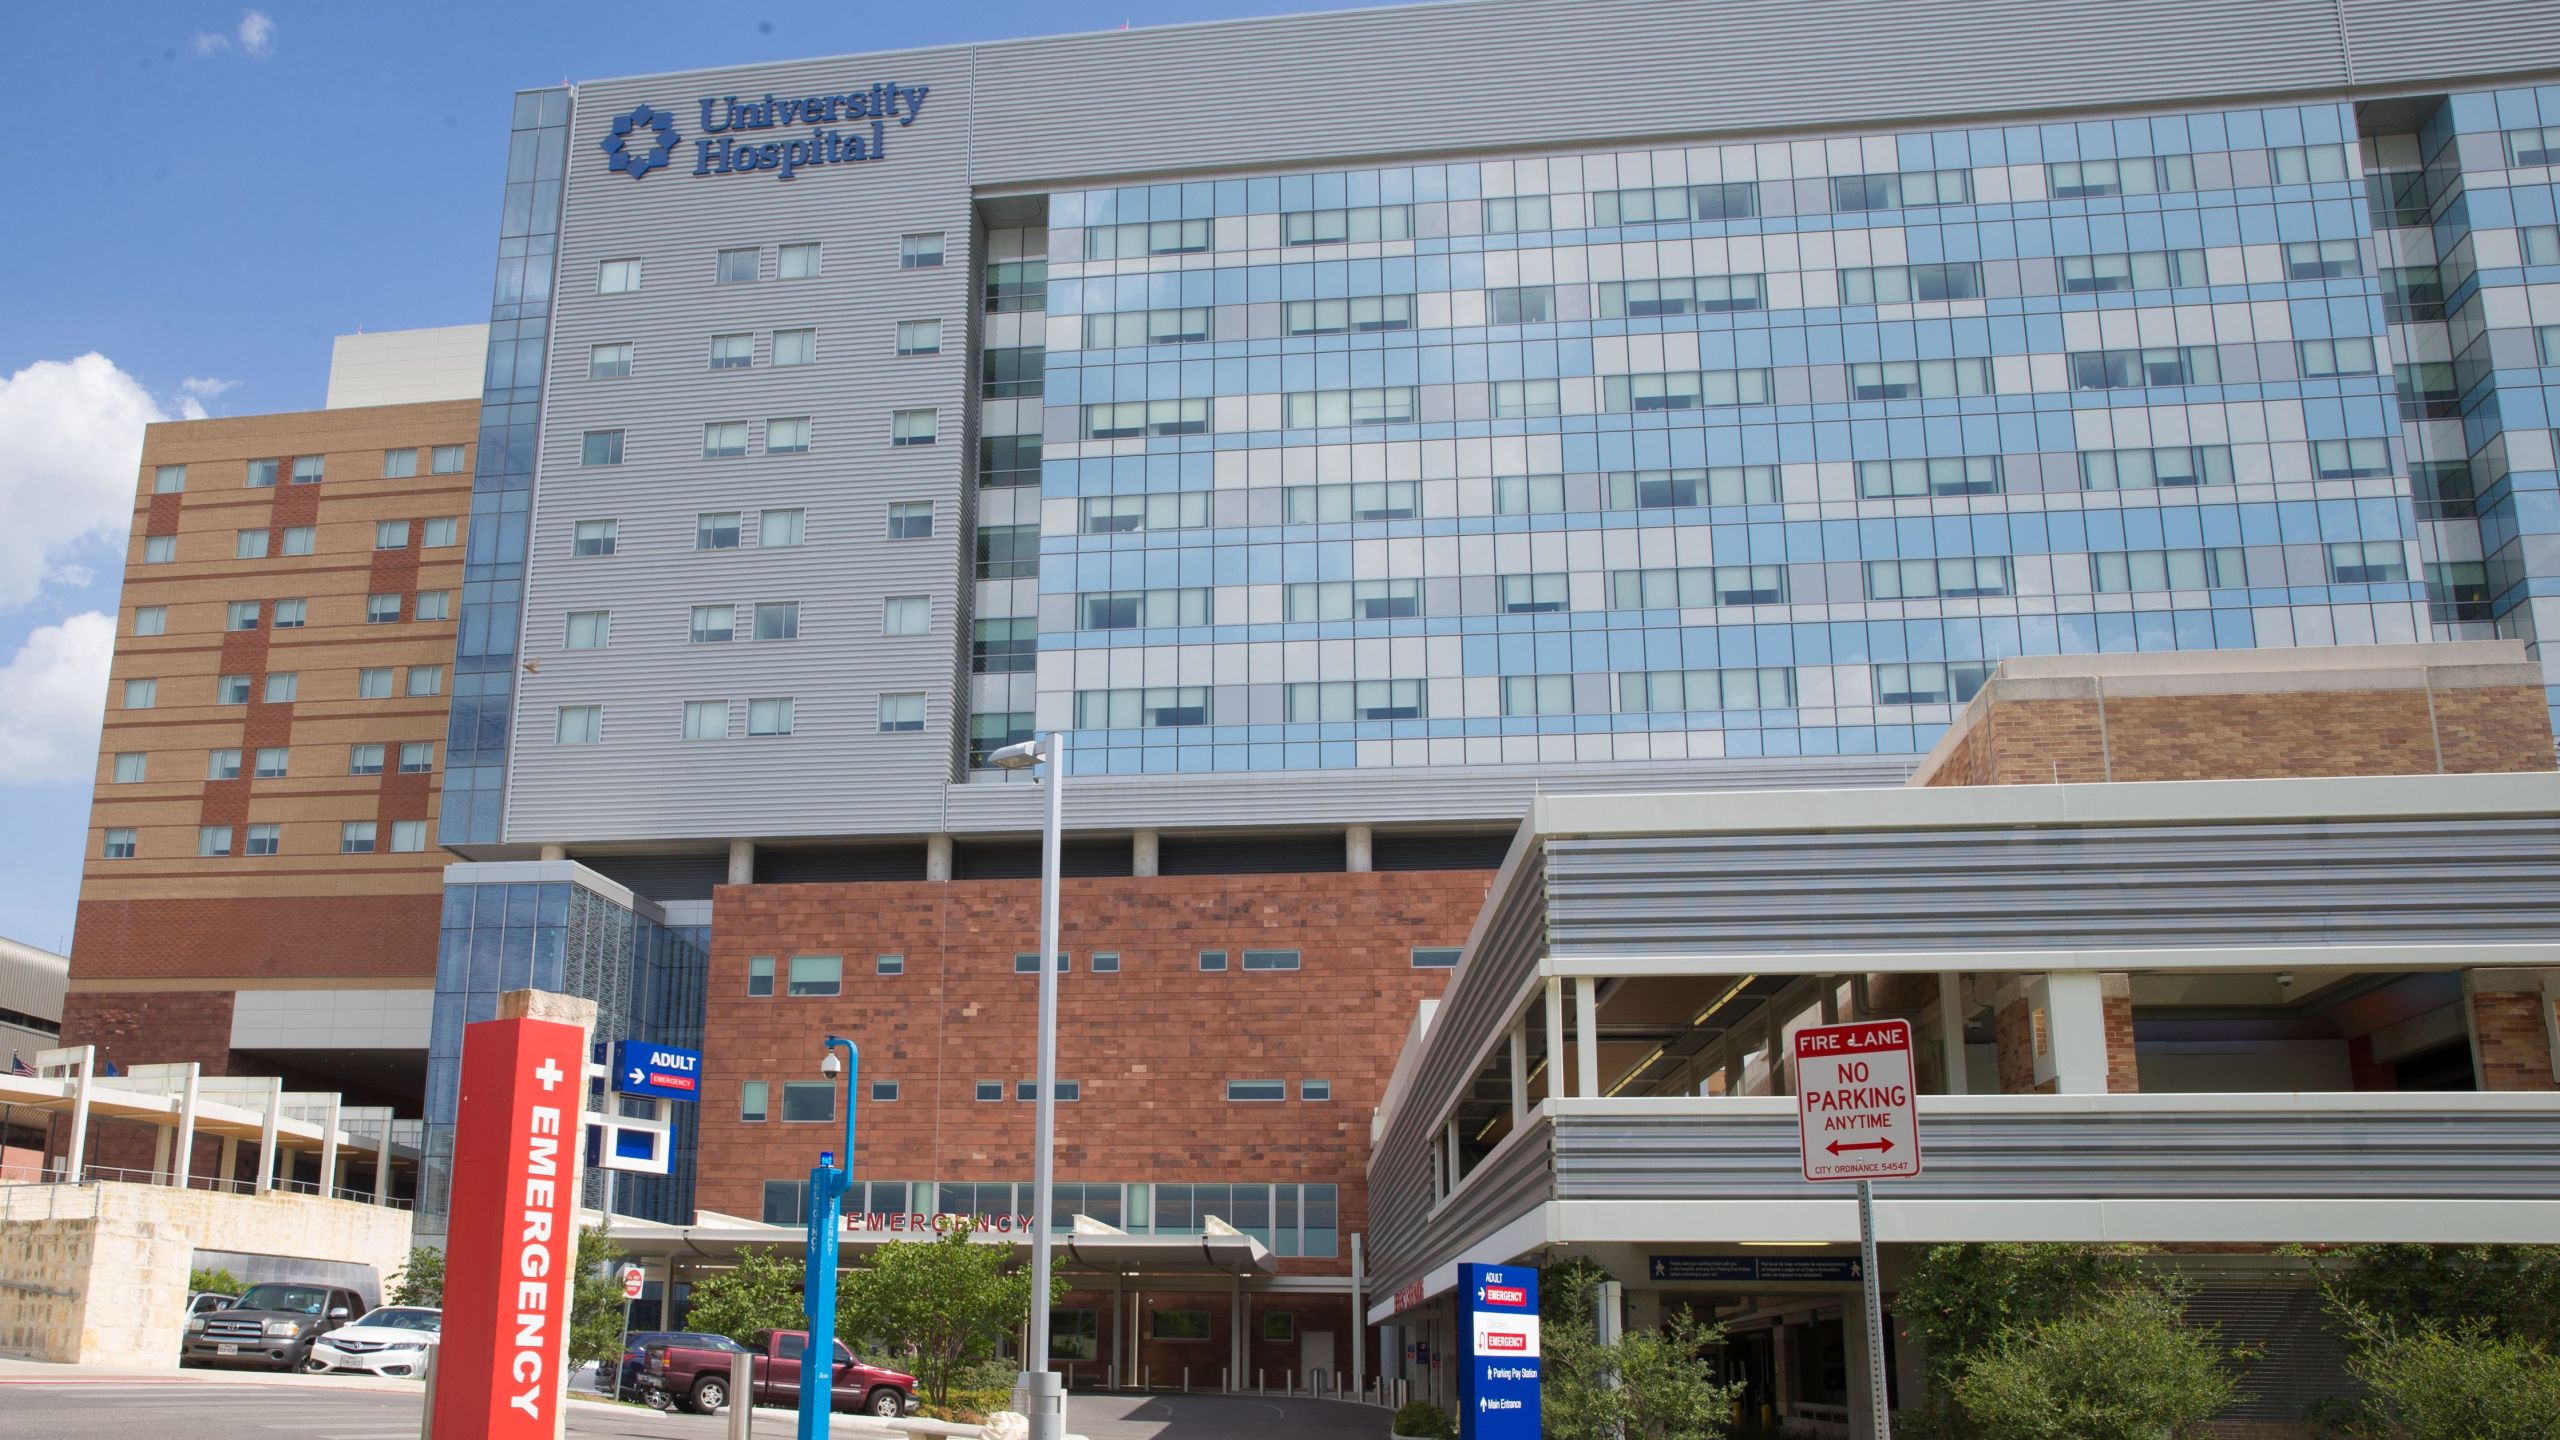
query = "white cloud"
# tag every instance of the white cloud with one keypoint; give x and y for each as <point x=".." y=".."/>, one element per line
<point x="52" y="695"/>
<point x="255" y="37"/>
<point x="204" y="388"/>
<point x="70" y="445"/>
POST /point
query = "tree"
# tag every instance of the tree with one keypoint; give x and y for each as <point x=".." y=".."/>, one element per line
<point x="1960" y="1300"/>
<point x="2122" y="1367"/>
<point x="219" y="1281"/>
<point x="2510" y="1290"/>
<point x="2447" y="1342"/>
<point x="595" y="1301"/>
<point x="762" y="1293"/>
<point x="2439" y="1383"/>
<point x="942" y="1302"/>
<point x="421" y="1279"/>
<point x="1649" y="1385"/>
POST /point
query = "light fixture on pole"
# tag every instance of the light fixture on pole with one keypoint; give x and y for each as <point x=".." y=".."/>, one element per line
<point x="1040" y="1394"/>
<point x="828" y="1182"/>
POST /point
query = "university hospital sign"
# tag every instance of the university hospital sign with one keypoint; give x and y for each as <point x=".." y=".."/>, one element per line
<point x="735" y="137"/>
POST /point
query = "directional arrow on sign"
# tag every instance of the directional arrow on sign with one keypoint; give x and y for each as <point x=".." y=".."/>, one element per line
<point x="1880" y="1146"/>
<point x="639" y="1076"/>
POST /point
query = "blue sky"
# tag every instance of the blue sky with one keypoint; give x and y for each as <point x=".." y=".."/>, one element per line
<point x="202" y="195"/>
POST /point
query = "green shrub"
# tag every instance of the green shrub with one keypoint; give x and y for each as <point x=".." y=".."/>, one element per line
<point x="220" y="1282"/>
<point x="2122" y="1367"/>
<point x="1961" y="1300"/>
<point x="2436" y="1383"/>
<point x="1424" y="1421"/>
<point x="421" y="1279"/>
<point x="2509" y="1289"/>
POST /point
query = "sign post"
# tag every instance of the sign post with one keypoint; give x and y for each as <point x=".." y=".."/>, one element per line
<point x="1858" y="1119"/>
<point x="633" y="1277"/>
<point x="1498" y="1385"/>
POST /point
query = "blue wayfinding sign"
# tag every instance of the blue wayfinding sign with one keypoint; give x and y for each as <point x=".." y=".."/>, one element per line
<point x="661" y="1072"/>
<point x="1498" y="1379"/>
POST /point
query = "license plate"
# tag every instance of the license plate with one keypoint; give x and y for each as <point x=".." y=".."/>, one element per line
<point x="226" y="1349"/>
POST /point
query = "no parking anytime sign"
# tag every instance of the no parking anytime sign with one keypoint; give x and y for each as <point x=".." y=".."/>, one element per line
<point x="1856" y="1116"/>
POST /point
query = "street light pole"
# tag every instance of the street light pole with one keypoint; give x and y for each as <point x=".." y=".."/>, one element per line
<point x="1043" y="1397"/>
<point x="827" y="1185"/>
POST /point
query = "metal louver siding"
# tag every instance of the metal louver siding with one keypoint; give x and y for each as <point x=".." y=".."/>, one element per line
<point x="1503" y="957"/>
<point x="1406" y="1238"/>
<point x="1963" y="890"/>
<point x="836" y="773"/>
<point x="2451" y="1153"/>
<point x="1548" y="73"/>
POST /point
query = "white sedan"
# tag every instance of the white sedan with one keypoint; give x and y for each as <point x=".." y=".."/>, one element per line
<point x="392" y="1340"/>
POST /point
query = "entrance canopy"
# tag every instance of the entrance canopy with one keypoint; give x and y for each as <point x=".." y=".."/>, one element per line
<point x="1091" y="1248"/>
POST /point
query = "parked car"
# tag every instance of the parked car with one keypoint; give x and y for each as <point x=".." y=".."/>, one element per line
<point x="270" y="1325"/>
<point x="208" y="1300"/>
<point x="697" y="1378"/>
<point x="635" y="1348"/>
<point x="393" y="1340"/>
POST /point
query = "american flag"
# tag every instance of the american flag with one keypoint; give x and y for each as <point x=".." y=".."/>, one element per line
<point x="19" y="1066"/>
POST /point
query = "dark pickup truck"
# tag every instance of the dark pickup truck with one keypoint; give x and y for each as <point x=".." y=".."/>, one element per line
<point x="698" y="1379"/>
<point x="271" y="1325"/>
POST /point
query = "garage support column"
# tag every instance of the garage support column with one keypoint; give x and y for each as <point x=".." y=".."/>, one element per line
<point x="742" y="862"/>
<point x="1586" y="1030"/>
<point x="555" y="852"/>
<point x="1146" y="853"/>
<point x="1951" y="1018"/>
<point x="1519" y="1088"/>
<point x="230" y="1162"/>
<point x="2079" y="1022"/>
<point x="937" y="857"/>
<point x="329" y="1150"/>
<point x="160" y="1156"/>
<point x="1359" y="1305"/>
<point x="267" y="1138"/>
<point x="1559" y="1082"/>
<point x="1359" y="853"/>
<point x="183" y="1158"/>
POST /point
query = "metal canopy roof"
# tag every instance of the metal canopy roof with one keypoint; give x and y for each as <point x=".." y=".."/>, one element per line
<point x="1092" y="1248"/>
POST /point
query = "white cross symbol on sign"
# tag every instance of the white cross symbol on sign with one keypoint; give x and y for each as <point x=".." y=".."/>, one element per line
<point x="548" y="1073"/>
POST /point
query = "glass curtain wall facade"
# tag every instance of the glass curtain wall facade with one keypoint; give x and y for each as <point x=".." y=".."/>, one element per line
<point x="484" y="660"/>
<point x="1767" y="448"/>
<point x="645" y="977"/>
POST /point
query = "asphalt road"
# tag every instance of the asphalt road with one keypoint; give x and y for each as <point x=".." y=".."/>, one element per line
<point x="311" y="1409"/>
<point x="300" y="1410"/>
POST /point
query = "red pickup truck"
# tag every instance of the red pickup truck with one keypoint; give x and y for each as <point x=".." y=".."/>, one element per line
<point x="699" y="1379"/>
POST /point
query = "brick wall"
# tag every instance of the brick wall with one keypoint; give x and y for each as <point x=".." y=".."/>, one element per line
<point x="2512" y="1046"/>
<point x="2124" y="1073"/>
<point x="1151" y="1046"/>
<point x="2394" y="716"/>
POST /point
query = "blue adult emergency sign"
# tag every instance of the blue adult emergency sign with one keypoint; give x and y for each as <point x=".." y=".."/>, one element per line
<point x="661" y="1072"/>
<point x="1498" y="1375"/>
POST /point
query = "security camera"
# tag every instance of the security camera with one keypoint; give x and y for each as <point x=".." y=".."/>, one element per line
<point x="831" y="1067"/>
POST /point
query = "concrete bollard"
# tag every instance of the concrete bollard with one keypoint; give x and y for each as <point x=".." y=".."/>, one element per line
<point x="427" y="1412"/>
<point x="742" y="1397"/>
<point x="1258" y="1387"/>
<point x="1186" y="1379"/>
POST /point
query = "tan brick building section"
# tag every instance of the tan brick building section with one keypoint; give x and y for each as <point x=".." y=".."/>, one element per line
<point x="2440" y="709"/>
<point x="166" y="935"/>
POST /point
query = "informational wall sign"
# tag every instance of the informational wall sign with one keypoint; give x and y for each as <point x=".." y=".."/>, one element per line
<point x="1857" y="1117"/>
<point x="661" y="1072"/>
<point x="1498" y="1381"/>
<point x="1756" y="1269"/>
<point x="512" y="1238"/>
<point x="777" y="134"/>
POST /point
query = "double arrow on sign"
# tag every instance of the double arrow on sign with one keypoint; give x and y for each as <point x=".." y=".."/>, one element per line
<point x="1880" y="1146"/>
